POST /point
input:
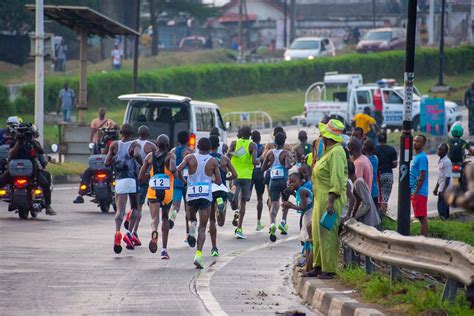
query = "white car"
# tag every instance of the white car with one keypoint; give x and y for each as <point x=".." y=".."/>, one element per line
<point x="310" y="48"/>
<point x="169" y="114"/>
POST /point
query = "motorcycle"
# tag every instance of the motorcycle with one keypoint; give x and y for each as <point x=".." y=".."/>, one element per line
<point x="23" y="193"/>
<point x="102" y="183"/>
<point x="458" y="175"/>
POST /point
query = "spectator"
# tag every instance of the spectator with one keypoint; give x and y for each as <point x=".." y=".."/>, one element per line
<point x="419" y="183"/>
<point x="117" y="55"/>
<point x="98" y="123"/>
<point x="444" y="180"/>
<point x="362" y="208"/>
<point x="66" y="102"/>
<point x="387" y="161"/>
<point x="358" y="133"/>
<point x="367" y="123"/>
<point x="61" y="57"/>
<point x="368" y="149"/>
<point x="469" y="103"/>
<point x="329" y="187"/>
<point x="363" y="167"/>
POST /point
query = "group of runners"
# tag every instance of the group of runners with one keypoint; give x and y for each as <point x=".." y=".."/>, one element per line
<point x="204" y="180"/>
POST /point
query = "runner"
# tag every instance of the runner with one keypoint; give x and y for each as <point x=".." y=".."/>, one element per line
<point x="258" y="179"/>
<point x="278" y="162"/>
<point x="162" y="165"/>
<point x="243" y="154"/>
<point x="219" y="193"/>
<point x="146" y="148"/>
<point x="179" y="190"/>
<point x="303" y="149"/>
<point x="125" y="157"/>
<point x="201" y="167"/>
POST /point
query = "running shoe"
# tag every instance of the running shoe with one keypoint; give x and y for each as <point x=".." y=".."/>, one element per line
<point x="235" y="221"/>
<point x="260" y="227"/>
<point x="272" y="231"/>
<point x="239" y="233"/>
<point x="136" y="241"/>
<point x="283" y="227"/>
<point x="192" y="235"/>
<point x="172" y="218"/>
<point x="198" y="262"/>
<point x="126" y="220"/>
<point x="220" y="205"/>
<point x="164" y="255"/>
<point x="128" y="241"/>
<point x="153" y="245"/>
<point x="214" y="252"/>
<point x="117" y="242"/>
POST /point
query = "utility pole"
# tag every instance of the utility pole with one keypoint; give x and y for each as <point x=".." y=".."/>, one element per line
<point x="292" y="20"/>
<point x="406" y="140"/>
<point x="441" y="45"/>
<point x="39" y="69"/>
<point x="285" y="19"/>
<point x="373" y="14"/>
<point x="136" y="43"/>
<point x="241" y="38"/>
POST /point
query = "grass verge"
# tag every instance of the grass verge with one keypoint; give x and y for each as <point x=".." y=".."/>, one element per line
<point x="444" y="229"/>
<point x="406" y="298"/>
<point x="66" y="168"/>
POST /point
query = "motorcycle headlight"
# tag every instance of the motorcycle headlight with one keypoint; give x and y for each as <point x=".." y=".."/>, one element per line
<point x="310" y="57"/>
<point x="287" y="58"/>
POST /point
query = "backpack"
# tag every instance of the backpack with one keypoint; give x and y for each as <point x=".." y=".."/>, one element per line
<point x="456" y="150"/>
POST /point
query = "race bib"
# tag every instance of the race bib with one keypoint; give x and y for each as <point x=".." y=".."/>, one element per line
<point x="277" y="172"/>
<point x="124" y="186"/>
<point x="199" y="190"/>
<point x="160" y="182"/>
<point x="240" y="152"/>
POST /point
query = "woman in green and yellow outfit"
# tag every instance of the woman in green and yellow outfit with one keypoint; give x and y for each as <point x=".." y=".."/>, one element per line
<point x="329" y="186"/>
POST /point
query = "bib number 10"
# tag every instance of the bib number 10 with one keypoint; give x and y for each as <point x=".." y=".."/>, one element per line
<point x="198" y="190"/>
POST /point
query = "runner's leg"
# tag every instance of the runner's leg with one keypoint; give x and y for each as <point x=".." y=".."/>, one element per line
<point x="165" y="228"/>
<point x="203" y="219"/>
<point x="121" y="200"/>
<point x="212" y="225"/>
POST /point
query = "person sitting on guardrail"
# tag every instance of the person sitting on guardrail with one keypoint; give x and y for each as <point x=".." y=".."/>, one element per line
<point x="362" y="207"/>
<point x="419" y="183"/>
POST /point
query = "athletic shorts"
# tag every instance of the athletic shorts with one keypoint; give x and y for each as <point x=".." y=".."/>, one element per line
<point x="258" y="181"/>
<point x="199" y="204"/>
<point x="243" y="187"/>
<point x="143" y="190"/>
<point x="267" y="177"/>
<point x="179" y="193"/>
<point x="165" y="199"/>
<point x="420" y="205"/>
<point x="219" y="194"/>
<point x="276" y="189"/>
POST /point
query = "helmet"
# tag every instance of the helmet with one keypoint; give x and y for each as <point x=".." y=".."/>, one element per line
<point x="457" y="130"/>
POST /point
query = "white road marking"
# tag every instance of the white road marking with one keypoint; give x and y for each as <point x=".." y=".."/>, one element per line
<point x="66" y="188"/>
<point x="203" y="279"/>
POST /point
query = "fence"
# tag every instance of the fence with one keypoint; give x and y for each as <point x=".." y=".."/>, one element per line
<point x="452" y="260"/>
<point x="256" y="120"/>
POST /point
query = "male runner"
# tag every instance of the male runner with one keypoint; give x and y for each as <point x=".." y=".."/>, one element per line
<point x="124" y="156"/>
<point x="278" y="162"/>
<point x="219" y="193"/>
<point x="202" y="167"/>
<point x="146" y="147"/>
<point x="162" y="166"/>
<point x="258" y="179"/>
<point x="303" y="148"/>
<point x="179" y="190"/>
<point x="243" y="154"/>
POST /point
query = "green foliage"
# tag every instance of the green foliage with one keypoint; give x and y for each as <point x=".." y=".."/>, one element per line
<point x="22" y="105"/>
<point x="66" y="168"/>
<point x="6" y="107"/>
<point x="406" y="297"/>
<point x="444" y="229"/>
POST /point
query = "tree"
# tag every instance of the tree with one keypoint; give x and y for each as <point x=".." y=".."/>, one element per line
<point x="198" y="10"/>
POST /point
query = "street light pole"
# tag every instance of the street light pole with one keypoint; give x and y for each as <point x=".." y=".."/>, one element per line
<point x="406" y="139"/>
<point x="39" y="69"/>
<point x="285" y="19"/>
<point x="373" y="13"/>
<point x="441" y="45"/>
<point x="135" y="51"/>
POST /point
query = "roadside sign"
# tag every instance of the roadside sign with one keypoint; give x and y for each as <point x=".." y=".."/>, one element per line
<point x="433" y="116"/>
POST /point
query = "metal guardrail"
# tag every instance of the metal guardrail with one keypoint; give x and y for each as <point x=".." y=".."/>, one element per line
<point x="453" y="260"/>
<point x="256" y="120"/>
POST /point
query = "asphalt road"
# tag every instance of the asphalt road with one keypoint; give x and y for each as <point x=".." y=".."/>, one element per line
<point x="65" y="265"/>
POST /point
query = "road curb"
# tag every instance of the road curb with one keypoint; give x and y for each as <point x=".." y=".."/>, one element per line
<point x="66" y="179"/>
<point x="327" y="300"/>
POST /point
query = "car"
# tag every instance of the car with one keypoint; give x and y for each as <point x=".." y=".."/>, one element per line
<point x="169" y="114"/>
<point x="310" y="48"/>
<point x="382" y="39"/>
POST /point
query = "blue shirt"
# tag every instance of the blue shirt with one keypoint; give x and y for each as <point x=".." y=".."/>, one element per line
<point x="420" y="163"/>
<point x="375" y="163"/>
<point x="67" y="99"/>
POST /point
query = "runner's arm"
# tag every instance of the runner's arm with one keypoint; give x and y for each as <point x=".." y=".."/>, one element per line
<point x="171" y="162"/>
<point x="110" y="154"/>
<point x="232" y="170"/>
<point x="181" y="167"/>
<point x="217" y="173"/>
<point x="230" y="152"/>
<point x="149" y="148"/>
<point x="253" y="148"/>
<point x="287" y="160"/>
<point x="142" y="175"/>
<point x="268" y="161"/>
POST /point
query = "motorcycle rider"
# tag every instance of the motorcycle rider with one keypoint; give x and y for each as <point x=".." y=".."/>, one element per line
<point x="457" y="146"/>
<point x="26" y="147"/>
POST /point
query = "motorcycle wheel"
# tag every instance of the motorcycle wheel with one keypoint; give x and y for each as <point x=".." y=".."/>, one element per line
<point x="104" y="206"/>
<point x="23" y="214"/>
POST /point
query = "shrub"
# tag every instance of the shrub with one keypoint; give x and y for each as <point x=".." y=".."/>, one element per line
<point x="22" y="105"/>
<point x="6" y="107"/>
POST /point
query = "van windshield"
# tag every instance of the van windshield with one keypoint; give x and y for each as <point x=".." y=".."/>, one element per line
<point x="305" y="44"/>
<point x="160" y="117"/>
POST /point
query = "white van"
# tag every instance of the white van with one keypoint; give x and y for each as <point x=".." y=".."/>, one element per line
<point x="310" y="48"/>
<point x="169" y="114"/>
